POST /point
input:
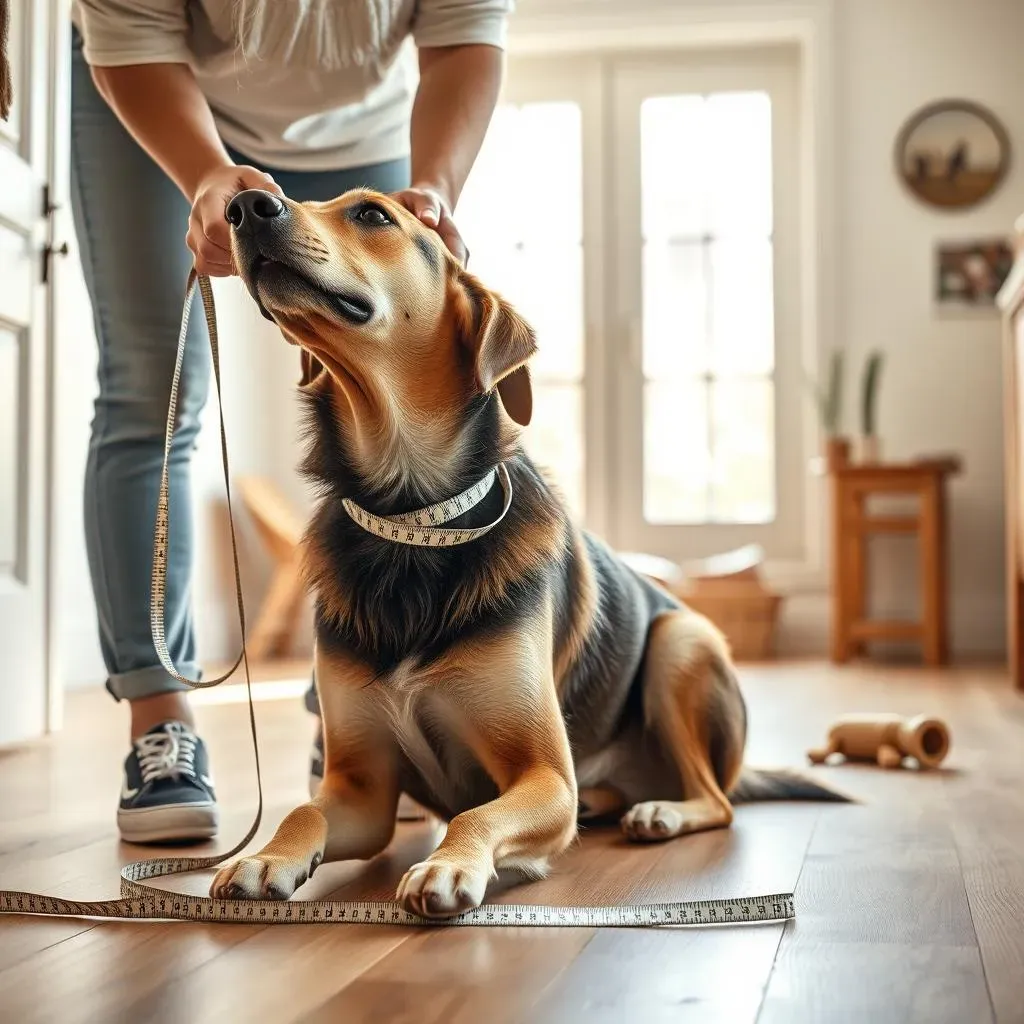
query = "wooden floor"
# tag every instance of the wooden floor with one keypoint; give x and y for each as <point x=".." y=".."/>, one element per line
<point x="910" y="906"/>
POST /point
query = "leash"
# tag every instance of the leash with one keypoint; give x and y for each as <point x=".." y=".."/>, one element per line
<point x="143" y="902"/>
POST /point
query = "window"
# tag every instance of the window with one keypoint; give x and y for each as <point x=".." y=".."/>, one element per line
<point x="661" y="274"/>
<point x="708" y="326"/>
<point x="521" y="215"/>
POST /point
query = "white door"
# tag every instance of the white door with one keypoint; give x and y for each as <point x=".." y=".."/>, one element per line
<point x="25" y="164"/>
<point x="707" y="290"/>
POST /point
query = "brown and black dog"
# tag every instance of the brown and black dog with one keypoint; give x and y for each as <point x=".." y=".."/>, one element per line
<point x="507" y="684"/>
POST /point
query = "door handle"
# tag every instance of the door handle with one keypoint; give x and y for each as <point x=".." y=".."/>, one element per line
<point x="49" y="251"/>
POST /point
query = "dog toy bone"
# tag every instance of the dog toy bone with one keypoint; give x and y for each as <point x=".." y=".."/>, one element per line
<point x="886" y="739"/>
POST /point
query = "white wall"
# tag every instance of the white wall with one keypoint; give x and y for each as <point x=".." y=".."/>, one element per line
<point x="941" y="390"/>
<point x="942" y="387"/>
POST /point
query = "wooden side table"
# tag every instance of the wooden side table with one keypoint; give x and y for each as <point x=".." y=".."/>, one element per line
<point x="852" y="486"/>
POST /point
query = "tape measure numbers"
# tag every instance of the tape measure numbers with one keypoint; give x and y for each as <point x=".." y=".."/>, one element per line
<point x="166" y="906"/>
<point x="143" y="902"/>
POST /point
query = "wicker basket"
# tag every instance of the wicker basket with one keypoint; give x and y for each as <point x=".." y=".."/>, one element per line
<point x="746" y="612"/>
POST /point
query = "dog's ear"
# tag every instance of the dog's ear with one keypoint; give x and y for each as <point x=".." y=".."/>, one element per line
<point x="311" y="368"/>
<point x="501" y="343"/>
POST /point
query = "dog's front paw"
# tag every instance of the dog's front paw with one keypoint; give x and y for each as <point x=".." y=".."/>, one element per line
<point x="437" y="888"/>
<point x="263" y="877"/>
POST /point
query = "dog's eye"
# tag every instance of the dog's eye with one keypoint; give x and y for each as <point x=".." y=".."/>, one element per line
<point x="373" y="216"/>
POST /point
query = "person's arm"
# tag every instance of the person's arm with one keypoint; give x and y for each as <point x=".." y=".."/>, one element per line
<point x="455" y="100"/>
<point x="462" y="64"/>
<point x="138" y="56"/>
<point x="163" y="108"/>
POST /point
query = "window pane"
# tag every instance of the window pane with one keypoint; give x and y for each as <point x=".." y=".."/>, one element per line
<point x="482" y="219"/>
<point x="739" y="163"/>
<point x="743" y="316"/>
<point x="521" y="215"/>
<point x="500" y="266"/>
<point x="554" y="438"/>
<point x="675" y="314"/>
<point x="706" y="164"/>
<point x="743" y="444"/>
<point x="673" y="166"/>
<point x="550" y="296"/>
<point x="677" y="463"/>
<point x="708" y="306"/>
<point x="526" y="181"/>
<point x="551" y="159"/>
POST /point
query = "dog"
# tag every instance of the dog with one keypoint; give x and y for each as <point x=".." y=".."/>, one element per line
<point x="510" y="674"/>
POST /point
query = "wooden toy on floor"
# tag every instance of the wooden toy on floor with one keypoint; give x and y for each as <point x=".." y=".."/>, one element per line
<point x="886" y="739"/>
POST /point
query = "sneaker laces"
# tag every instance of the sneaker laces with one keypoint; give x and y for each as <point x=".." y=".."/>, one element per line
<point x="167" y="754"/>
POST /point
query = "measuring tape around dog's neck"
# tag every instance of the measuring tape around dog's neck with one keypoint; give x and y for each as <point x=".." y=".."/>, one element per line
<point x="425" y="527"/>
<point x="140" y="901"/>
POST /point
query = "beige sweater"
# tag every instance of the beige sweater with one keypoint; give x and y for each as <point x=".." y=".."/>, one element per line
<point x="307" y="84"/>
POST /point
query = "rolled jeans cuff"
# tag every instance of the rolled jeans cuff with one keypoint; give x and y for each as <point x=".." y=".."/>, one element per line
<point x="149" y="682"/>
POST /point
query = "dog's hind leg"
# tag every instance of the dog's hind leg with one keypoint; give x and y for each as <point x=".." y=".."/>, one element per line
<point x="693" y="704"/>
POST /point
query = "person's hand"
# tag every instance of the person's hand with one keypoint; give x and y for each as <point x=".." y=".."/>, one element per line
<point x="428" y="203"/>
<point x="208" y="231"/>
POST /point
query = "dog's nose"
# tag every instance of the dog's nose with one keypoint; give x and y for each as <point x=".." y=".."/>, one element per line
<point x="252" y="208"/>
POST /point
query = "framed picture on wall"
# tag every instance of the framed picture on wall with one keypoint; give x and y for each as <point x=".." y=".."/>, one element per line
<point x="969" y="274"/>
<point x="952" y="154"/>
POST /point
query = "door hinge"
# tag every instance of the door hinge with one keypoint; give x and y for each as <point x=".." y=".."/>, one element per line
<point x="48" y="204"/>
<point x="50" y="250"/>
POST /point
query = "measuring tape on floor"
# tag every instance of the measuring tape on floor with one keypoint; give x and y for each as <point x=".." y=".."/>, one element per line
<point x="143" y="902"/>
<point x="159" y="905"/>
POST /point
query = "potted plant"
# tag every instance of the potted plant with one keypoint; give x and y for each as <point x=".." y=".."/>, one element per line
<point x="829" y="400"/>
<point x="870" y="446"/>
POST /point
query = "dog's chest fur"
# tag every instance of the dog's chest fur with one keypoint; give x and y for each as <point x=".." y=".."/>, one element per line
<point x="437" y="767"/>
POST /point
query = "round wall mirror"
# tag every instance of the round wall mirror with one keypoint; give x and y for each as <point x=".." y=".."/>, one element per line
<point x="952" y="154"/>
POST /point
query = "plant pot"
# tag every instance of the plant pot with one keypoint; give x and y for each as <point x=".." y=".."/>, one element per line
<point x="870" y="449"/>
<point x="837" y="453"/>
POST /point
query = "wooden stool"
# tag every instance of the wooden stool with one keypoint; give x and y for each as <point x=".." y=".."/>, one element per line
<point x="280" y="528"/>
<point x="852" y="485"/>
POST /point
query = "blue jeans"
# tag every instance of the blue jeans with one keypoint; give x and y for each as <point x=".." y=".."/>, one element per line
<point x="131" y="220"/>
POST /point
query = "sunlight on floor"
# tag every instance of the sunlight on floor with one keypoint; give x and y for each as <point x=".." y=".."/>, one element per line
<point x="235" y="693"/>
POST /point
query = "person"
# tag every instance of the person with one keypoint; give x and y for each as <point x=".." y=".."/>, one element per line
<point x="176" y="106"/>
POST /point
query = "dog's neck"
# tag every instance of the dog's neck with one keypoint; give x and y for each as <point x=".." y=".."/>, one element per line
<point x="402" y="464"/>
<point x="383" y="602"/>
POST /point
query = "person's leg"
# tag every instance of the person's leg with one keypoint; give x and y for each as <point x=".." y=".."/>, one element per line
<point x="130" y="221"/>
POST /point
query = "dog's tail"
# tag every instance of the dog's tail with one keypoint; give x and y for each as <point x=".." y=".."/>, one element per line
<point x="757" y="785"/>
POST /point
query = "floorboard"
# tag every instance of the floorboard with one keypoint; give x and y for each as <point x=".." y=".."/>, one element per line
<point x="910" y="904"/>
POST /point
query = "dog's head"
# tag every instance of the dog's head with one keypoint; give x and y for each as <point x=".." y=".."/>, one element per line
<point x="373" y="296"/>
